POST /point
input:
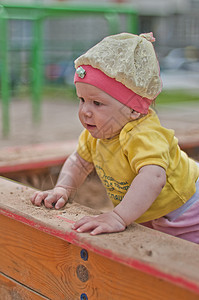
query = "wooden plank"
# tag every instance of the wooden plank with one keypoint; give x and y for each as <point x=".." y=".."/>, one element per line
<point x="145" y="262"/>
<point x="12" y="290"/>
<point x="191" y="148"/>
<point x="41" y="262"/>
<point x="30" y="157"/>
<point x="55" y="269"/>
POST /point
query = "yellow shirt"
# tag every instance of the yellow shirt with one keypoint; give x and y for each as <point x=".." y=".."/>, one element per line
<point x="140" y="143"/>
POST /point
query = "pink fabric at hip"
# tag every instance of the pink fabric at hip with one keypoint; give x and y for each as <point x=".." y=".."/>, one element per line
<point x="186" y="226"/>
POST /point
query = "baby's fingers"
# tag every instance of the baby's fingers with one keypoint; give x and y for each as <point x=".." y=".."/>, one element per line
<point x="81" y="222"/>
<point x="94" y="228"/>
<point x="89" y="224"/>
<point x="50" y="200"/>
<point x="98" y="230"/>
<point x="87" y="227"/>
<point x="38" y="197"/>
<point x="60" y="203"/>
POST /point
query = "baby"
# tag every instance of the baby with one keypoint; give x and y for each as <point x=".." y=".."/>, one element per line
<point x="147" y="177"/>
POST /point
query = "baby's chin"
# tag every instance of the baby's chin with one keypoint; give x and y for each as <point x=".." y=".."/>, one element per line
<point x="99" y="133"/>
<point x="103" y="136"/>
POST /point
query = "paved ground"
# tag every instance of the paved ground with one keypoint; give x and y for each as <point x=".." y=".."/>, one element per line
<point x="183" y="118"/>
<point x="60" y="122"/>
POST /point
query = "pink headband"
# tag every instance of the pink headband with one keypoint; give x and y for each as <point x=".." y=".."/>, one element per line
<point x="114" y="88"/>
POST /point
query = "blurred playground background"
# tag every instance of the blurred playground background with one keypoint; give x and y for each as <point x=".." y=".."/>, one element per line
<point x="39" y="127"/>
<point x="39" y="41"/>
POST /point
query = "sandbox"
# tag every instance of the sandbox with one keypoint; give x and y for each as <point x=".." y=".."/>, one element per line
<point x="43" y="258"/>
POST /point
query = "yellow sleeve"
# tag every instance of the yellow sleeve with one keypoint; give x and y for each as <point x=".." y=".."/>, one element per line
<point x="150" y="147"/>
<point x="84" y="146"/>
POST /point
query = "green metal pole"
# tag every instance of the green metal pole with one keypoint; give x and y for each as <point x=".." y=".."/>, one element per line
<point x="5" y="93"/>
<point x="113" y="21"/>
<point x="37" y="80"/>
<point x="132" y="23"/>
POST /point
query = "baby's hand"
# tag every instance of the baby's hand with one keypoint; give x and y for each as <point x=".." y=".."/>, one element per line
<point x="56" y="197"/>
<point x="104" y="223"/>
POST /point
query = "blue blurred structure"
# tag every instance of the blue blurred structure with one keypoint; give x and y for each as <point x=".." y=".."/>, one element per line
<point x="181" y="59"/>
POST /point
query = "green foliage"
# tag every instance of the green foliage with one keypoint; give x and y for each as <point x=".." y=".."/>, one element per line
<point x="175" y="96"/>
<point x="61" y="92"/>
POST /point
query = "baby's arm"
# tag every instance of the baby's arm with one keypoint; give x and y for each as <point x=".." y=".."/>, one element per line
<point x="73" y="173"/>
<point x="143" y="191"/>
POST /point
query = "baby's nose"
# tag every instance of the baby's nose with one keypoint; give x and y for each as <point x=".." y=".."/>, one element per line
<point x="88" y="114"/>
<point x="87" y="111"/>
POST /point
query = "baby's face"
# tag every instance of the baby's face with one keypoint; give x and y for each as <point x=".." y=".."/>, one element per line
<point x="102" y="115"/>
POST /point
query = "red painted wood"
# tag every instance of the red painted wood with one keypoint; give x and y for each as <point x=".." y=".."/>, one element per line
<point x="56" y="154"/>
<point x="73" y="237"/>
<point x="32" y="165"/>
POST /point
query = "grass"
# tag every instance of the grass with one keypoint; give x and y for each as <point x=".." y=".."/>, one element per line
<point x="176" y="96"/>
<point x="67" y="93"/>
<point x="60" y="92"/>
<point x="49" y="92"/>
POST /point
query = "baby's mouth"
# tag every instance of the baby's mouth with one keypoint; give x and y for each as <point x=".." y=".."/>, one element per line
<point x="90" y="126"/>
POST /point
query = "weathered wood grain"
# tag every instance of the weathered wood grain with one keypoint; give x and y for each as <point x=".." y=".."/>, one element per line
<point x="40" y="251"/>
<point x="55" y="269"/>
<point x="12" y="290"/>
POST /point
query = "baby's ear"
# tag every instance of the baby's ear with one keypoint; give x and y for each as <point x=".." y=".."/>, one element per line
<point x="134" y="115"/>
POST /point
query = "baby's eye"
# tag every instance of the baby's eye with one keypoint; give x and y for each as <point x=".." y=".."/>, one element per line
<point x="81" y="99"/>
<point x="97" y="103"/>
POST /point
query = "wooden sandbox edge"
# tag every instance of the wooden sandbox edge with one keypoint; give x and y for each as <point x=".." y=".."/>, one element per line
<point x="149" y="251"/>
